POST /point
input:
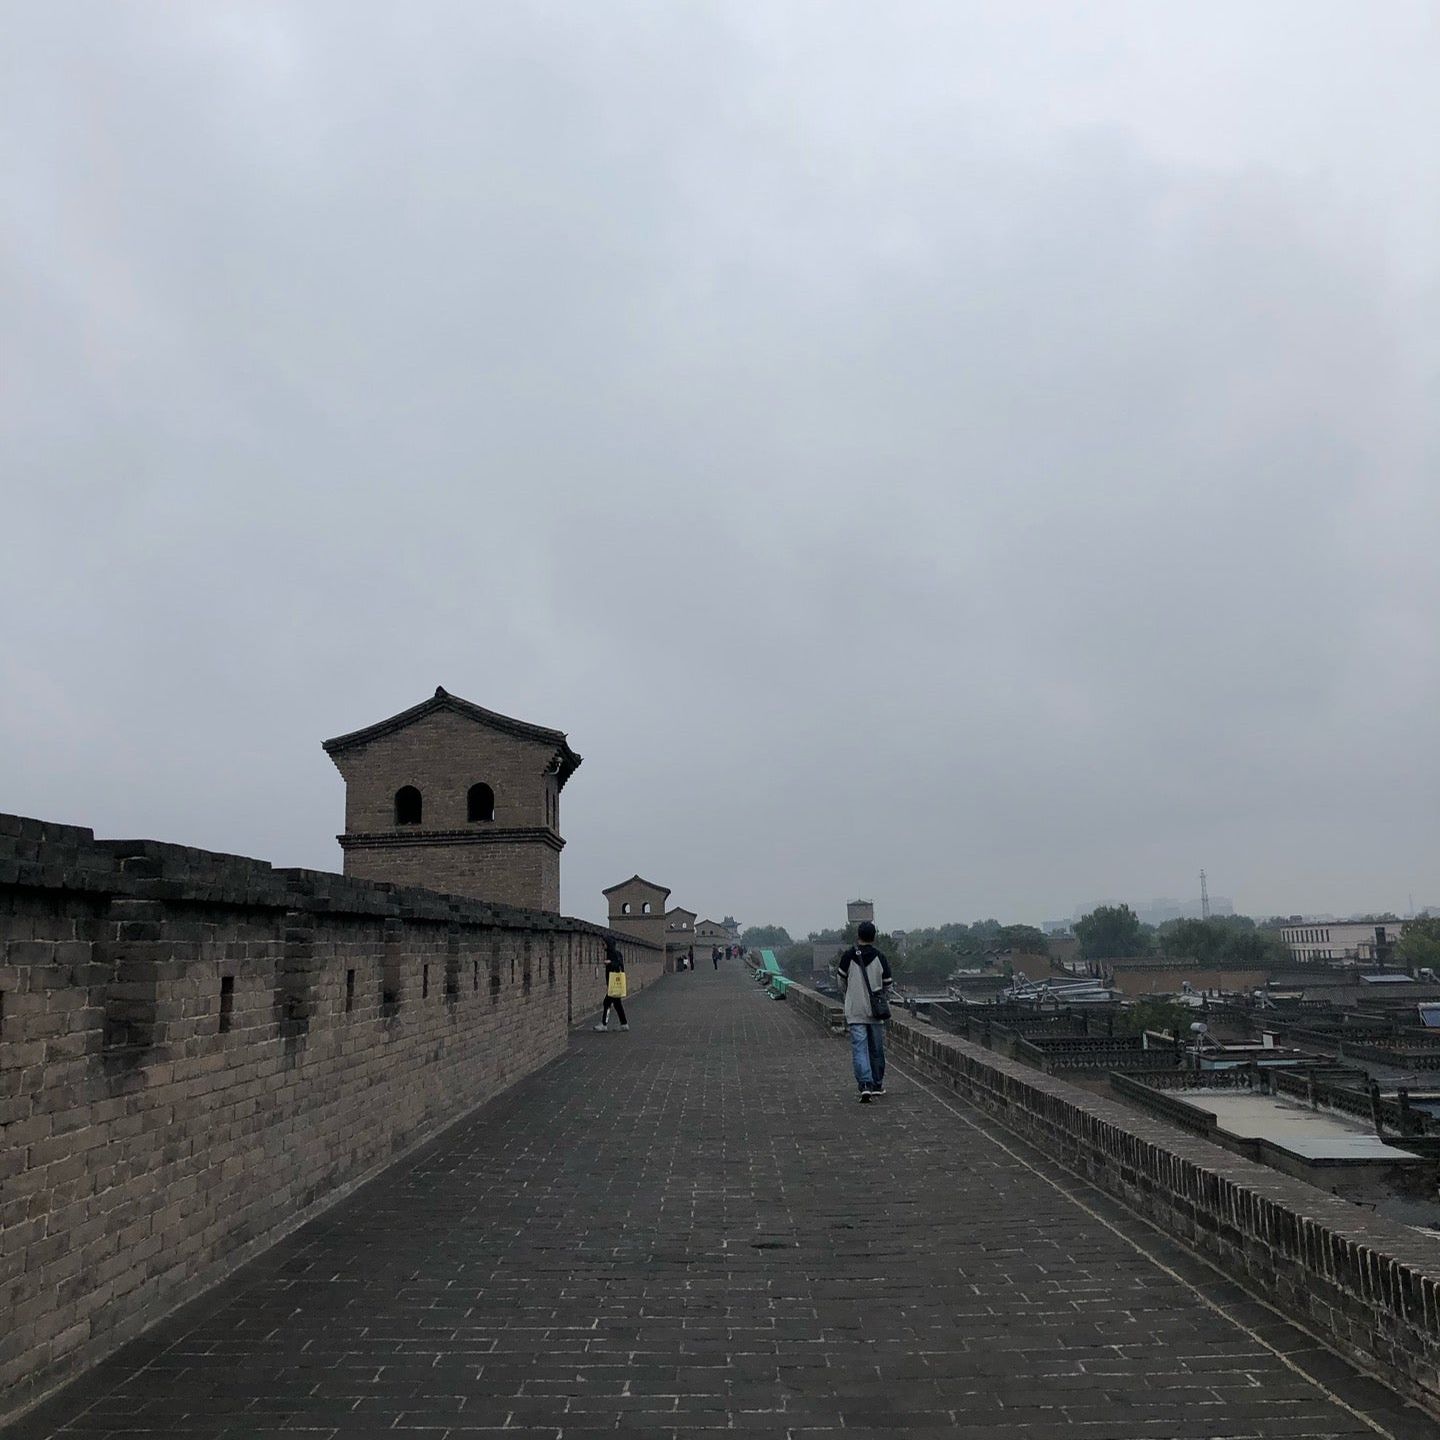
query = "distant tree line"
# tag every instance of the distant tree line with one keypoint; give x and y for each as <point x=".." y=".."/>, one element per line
<point x="930" y="955"/>
<point x="1113" y="932"/>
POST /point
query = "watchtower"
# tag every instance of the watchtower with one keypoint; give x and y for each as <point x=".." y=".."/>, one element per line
<point x="709" y="933"/>
<point x="679" y="934"/>
<point x="858" y="910"/>
<point x="637" y="907"/>
<point x="456" y="798"/>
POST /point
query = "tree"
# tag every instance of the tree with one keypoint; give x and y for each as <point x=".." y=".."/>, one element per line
<point x="796" y="961"/>
<point x="1024" y="938"/>
<point x="931" y="962"/>
<point x="758" y="937"/>
<point x="1233" y="922"/>
<point x="1193" y="939"/>
<point x="1420" y="943"/>
<point x="1111" y="931"/>
<point x="1257" y="947"/>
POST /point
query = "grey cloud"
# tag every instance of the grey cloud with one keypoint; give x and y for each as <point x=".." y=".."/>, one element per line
<point x="979" y="455"/>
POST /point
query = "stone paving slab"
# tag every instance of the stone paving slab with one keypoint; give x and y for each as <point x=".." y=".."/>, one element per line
<point x="694" y="1227"/>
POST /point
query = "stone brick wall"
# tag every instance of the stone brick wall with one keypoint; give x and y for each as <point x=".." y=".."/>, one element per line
<point x="508" y="870"/>
<point x="1368" y="1287"/>
<point x="1164" y="977"/>
<point x="197" y="1051"/>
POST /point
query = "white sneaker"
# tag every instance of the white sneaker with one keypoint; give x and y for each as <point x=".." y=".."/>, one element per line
<point x="600" y="1028"/>
<point x="624" y="1027"/>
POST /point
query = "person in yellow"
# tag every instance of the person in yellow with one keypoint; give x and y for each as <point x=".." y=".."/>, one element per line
<point x="614" y="987"/>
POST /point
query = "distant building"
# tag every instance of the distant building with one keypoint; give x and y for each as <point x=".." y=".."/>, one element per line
<point x="637" y="907"/>
<point x="1343" y="940"/>
<point x="709" y="933"/>
<point x="1064" y="950"/>
<point x="679" y="934"/>
<point x="860" y="910"/>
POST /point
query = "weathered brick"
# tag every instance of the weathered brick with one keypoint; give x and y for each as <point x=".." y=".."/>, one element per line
<point x="143" y="1147"/>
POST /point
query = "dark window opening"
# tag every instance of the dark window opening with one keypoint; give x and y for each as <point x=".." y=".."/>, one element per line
<point x="227" y="1001"/>
<point x="645" y="908"/>
<point x="494" y="986"/>
<point x="407" y="805"/>
<point x="424" y="982"/>
<point x="349" y="991"/>
<point x="477" y="975"/>
<point x="479" y="803"/>
<point x="625" y="908"/>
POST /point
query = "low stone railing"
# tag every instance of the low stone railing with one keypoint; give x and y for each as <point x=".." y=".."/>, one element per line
<point x="1369" y="1288"/>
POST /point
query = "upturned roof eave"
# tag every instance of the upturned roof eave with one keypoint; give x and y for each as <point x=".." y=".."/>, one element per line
<point x="443" y="700"/>
<point x="637" y="879"/>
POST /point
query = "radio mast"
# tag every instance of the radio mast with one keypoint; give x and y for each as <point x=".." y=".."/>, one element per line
<point x="1204" y="898"/>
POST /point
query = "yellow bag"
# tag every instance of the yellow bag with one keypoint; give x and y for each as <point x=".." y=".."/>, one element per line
<point x="615" y="985"/>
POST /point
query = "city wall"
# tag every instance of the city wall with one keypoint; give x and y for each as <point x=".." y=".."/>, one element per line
<point x="1366" y="1286"/>
<point x="198" y="1051"/>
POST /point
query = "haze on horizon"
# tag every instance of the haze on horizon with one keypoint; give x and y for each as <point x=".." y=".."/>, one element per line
<point x="978" y="456"/>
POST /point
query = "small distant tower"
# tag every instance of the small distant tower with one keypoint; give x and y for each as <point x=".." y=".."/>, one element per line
<point x="637" y="907"/>
<point x="452" y="797"/>
<point x="858" y="910"/>
<point x="1204" y="897"/>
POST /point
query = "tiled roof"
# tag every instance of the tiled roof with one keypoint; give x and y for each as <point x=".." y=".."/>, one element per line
<point x="567" y="760"/>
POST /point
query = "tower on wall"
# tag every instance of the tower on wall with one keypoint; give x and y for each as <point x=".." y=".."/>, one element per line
<point x="453" y="797"/>
<point x="637" y="907"/>
<point x="858" y="910"/>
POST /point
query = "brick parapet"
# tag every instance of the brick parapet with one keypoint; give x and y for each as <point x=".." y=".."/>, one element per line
<point x="197" y="1051"/>
<point x="1366" y="1286"/>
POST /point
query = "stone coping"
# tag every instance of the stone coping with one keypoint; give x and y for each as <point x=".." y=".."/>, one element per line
<point x="39" y="854"/>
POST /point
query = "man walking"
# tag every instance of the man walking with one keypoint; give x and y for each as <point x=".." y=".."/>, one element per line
<point x="864" y="976"/>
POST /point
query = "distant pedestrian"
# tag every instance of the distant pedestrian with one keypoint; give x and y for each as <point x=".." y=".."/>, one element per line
<point x="614" y="987"/>
<point x="864" y="977"/>
<point x="715" y="957"/>
<point x="690" y="957"/>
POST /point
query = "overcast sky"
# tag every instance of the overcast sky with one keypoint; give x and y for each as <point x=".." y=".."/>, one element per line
<point x="977" y="456"/>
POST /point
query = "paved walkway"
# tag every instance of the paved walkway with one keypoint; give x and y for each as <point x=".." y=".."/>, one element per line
<point x="694" y="1227"/>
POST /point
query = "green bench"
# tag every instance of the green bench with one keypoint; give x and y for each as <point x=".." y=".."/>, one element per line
<point x="769" y="973"/>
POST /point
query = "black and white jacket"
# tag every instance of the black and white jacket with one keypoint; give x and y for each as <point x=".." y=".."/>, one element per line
<point x="855" y="967"/>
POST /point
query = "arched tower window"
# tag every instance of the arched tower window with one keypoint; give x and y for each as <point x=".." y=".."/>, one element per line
<point x="407" y="805"/>
<point x="645" y="908"/>
<point x="480" y="803"/>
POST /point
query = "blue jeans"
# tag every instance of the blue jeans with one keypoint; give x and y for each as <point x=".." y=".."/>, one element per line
<point x="867" y="1049"/>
